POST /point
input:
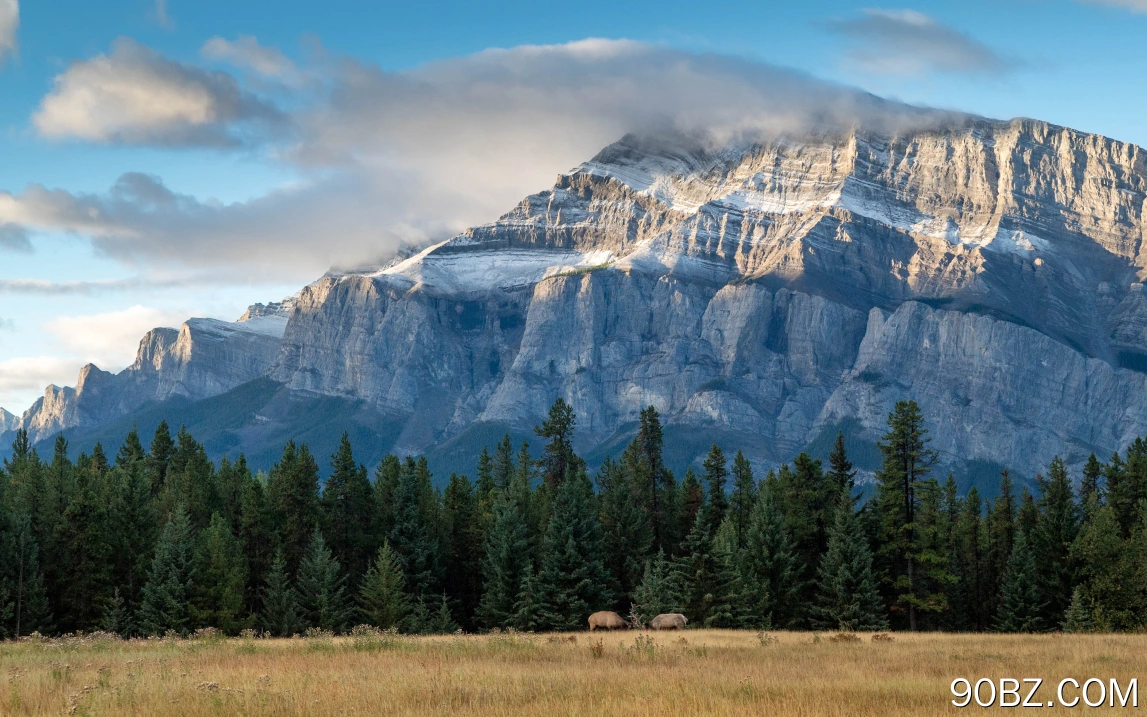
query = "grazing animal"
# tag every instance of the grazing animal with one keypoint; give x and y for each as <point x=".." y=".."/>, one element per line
<point x="669" y="621"/>
<point x="606" y="620"/>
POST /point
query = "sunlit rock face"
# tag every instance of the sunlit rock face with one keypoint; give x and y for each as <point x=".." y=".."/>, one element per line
<point x="770" y="292"/>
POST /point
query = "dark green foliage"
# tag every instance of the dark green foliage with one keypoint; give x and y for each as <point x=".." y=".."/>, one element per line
<point x="572" y="581"/>
<point x="220" y="571"/>
<point x="1056" y="529"/>
<point x="348" y="512"/>
<point x="382" y="596"/>
<point x="293" y="501"/>
<point x="706" y="582"/>
<point x="412" y="538"/>
<point x="1021" y="609"/>
<point x="1077" y="618"/>
<point x="716" y="475"/>
<point x="280" y="603"/>
<point x="162" y="450"/>
<point x="840" y="471"/>
<point x="166" y="596"/>
<point x="528" y="605"/>
<point x="743" y="500"/>
<point x="656" y="594"/>
<point x="507" y="557"/>
<point x="385" y="486"/>
<point x="29" y="609"/>
<point x="321" y="587"/>
<point x="627" y="536"/>
<point x="769" y="568"/>
<point x="558" y="458"/>
<point x="116" y="618"/>
<point x="846" y="594"/>
<point x="462" y="535"/>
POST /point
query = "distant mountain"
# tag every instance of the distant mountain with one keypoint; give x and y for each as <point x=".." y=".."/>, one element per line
<point x="763" y="296"/>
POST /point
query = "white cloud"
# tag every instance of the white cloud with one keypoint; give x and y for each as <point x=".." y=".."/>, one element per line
<point x="9" y="24"/>
<point x="136" y="96"/>
<point x="109" y="339"/>
<point x="14" y="237"/>
<point x="246" y="53"/>
<point x="23" y="379"/>
<point x="906" y="42"/>
<point x="161" y="15"/>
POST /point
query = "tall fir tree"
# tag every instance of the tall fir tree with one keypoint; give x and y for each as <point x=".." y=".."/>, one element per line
<point x="743" y="500"/>
<point x="279" y="603"/>
<point x="382" y="597"/>
<point x="463" y="548"/>
<point x="558" y="458"/>
<point x="321" y="587"/>
<point x="348" y="512"/>
<point x="627" y="536"/>
<point x="846" y="595"/>
<point x="1056" y="529"/>
<point x="220" y="571"/>
<point x="841" y="474"/>
<point x="1021" y="609"/>
<point x="507" y="557"/>
<point x="655" y="594"/>
<point x="167" y="593"/>
<point x="293" y="500"/>
<point x="158" y="457"/>
<point x="716" y="477"/>
<point x="769" y="567"/>
<point x="412" y="539"/>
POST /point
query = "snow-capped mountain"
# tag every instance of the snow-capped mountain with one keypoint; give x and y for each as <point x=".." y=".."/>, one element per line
<point x="763" y="294"/>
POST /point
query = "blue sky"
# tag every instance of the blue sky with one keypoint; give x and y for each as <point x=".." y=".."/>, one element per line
<point x="172" y="159"/>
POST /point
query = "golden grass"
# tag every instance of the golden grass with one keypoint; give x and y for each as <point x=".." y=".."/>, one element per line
<point x="694" y="672"/>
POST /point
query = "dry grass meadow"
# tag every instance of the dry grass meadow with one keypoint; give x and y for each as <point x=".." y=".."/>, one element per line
<point x="695" y="672"/>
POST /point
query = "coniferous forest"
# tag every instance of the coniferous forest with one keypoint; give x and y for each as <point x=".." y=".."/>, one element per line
<point x="158" y="538"/>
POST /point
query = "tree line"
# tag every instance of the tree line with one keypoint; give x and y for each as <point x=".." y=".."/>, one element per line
<point x="162" y="540"/>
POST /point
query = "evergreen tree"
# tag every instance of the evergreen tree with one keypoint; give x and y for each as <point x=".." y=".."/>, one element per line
<point x="840" y="471"/>
<point x="385" y="486"/>
<point x="653" y="483"/>
<point x="280" y="603"/>
<point x="692" y="497"/>
<point x="716" y="474"/>
<point x="1098" y="552"/>
<point x="131" y="453"/>
<point x="1021" y="609"/>
<point x="116" y="617"/>
<point x="1077" y="618"/>
<point x="382" y="598"/>
<point x="528" y="615"/>
<point x="220" y="578"/>
<point x="256" y="536"/>
<point x="507" y="557"/>
<point x="1000" y="529"/>
<point x="412" y="539"/>
<point x="969" y="555"/>
<point x="85" y="538"/>
<point x="627" y="536"/>
<point x="847" y="598"/>
<point x="769" y="568"/>
<point x="655" y="595"/>
<point x="30" y="611"/>
<point x="162" y="450"/>
<point x="706" y="584"/>
<point x="463" y="542"/>
<point x="132" y="523"/>
<point x="1089" y="485"/>
<point x="293" y="500"/>
<point x="167" y="594"/>
<point x="572" y="580"/>
<point x="321" y="588"/>
<point x="558" y="458"/>
<point x="504" y="464"/>
<point x="442" y="622"/>
<point x="744" y="498"/>
<point x="907" y="461"/>
<point x="348" y="511"/>
<point x="1056" y="529"/>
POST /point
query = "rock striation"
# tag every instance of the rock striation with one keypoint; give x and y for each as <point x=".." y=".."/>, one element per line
<point x="773" y="292"/>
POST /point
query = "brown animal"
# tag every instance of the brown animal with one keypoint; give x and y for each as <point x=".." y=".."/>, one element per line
<point x="606" y="620"/>
<point x="668" y="621"/>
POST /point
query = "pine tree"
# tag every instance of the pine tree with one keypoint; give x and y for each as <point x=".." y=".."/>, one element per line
<point x="29" y="598"/>
<point x="769" y="567"/>
<point x="1089" y="485"/>
<point x="1056" y="529"/>
<point x="412" y="539"/>
<point x="220" y="578"/>
<point x="1077" y="618"/>
<point x="162" y="450"/>
<point x="692" y="497"/>
<point x="716" y="473"/>
<point x="507" y="557"/>
<point x="840" y="471"/>
<point x="167" y="594"/>
<point x="558" y="458"/>
<point x="627" y="536"/>
<point x="321" y="587"/>
<point x="348" y="511"/>
<point x="744" y="498"/>
<point x="907" y="461"/>
<point x="1021" y="609"/>
<point x="572" y="579"/>
<point x="1098" y="551"/>
<point x="847" y="598"/>
<point x="280" y="612"/>
<point x="442" y="622"/>
<point x="504" y="464"/>
<point x="463" y="543"/>
<point x="528" y="606"/>
<point x="655" y="595"/>
<point x="705" y="580"/>
<point x="256" y="536"/>
<point x="85" y="537"/>
<point x="385" y="485"/>
<point x="116" y="618"/>
<point x="293" y="500"/>
<point x="382" y="598"/>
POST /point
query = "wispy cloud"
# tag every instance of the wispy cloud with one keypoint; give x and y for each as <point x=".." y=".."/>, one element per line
<point x="134" y="95"/>
<point x="9" y="24"/>
<point x="246" y="53"/>
<point x="162" y="17"/>
<point x="906" y="42"/>
<point x="1139" y="6"/>
<point x="109" y="339"/>
<point x="14" y="237"/>
<point x="26" y="376"/>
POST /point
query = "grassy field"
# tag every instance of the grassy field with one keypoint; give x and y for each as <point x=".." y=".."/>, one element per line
<point x="695" y="672"/>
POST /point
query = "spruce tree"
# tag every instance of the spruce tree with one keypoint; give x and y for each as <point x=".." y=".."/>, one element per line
<point x="1021" y="609"/>
<point x="156" y="462"/>
<point x="167" y="593"/>
<point x="348" y="511"/>
<point x="716" y="474"/>
<point x="841" y="474"/>
<point x="321" y="588"/>
<point x="385" y="485"/>
<point x="1077" y="618"/>
<point x="846" y="594"/>
<point x="256" y="536"/>
<point x="442" y="622"/>
<point x="29" y="598"/>
<point x="463" y="547"/>
<point x="1089" y="485"/>
<point x="382" y="598"/>
<point x="705" y="581"/>
<point x="572" y="580"/>
<point x="769" y="567"/>
<point x="692" y="497"/>
<point x="1098" y="551"/>
<point x="744" y="498"/>
<point x="558" y="458"/>
<point x="655" y="595"/>
<point x="220" y="578"/>
<point x="528" y="605"/>
<point x="507" y="557"/>
<point x="907" y="461"/>
<point x="1056" y="529"/>
<point x="627" y="536"/>
<point x="280" y="603"/>
<point x="412" y="538"/>
<point x="116" y="618"/>
<point x="293" y="500"/>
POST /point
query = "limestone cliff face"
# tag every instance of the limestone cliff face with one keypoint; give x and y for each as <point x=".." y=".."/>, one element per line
<point x="990" y="271"/>
<point x="770" y="293"/>
<point x="203" y="358"/>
